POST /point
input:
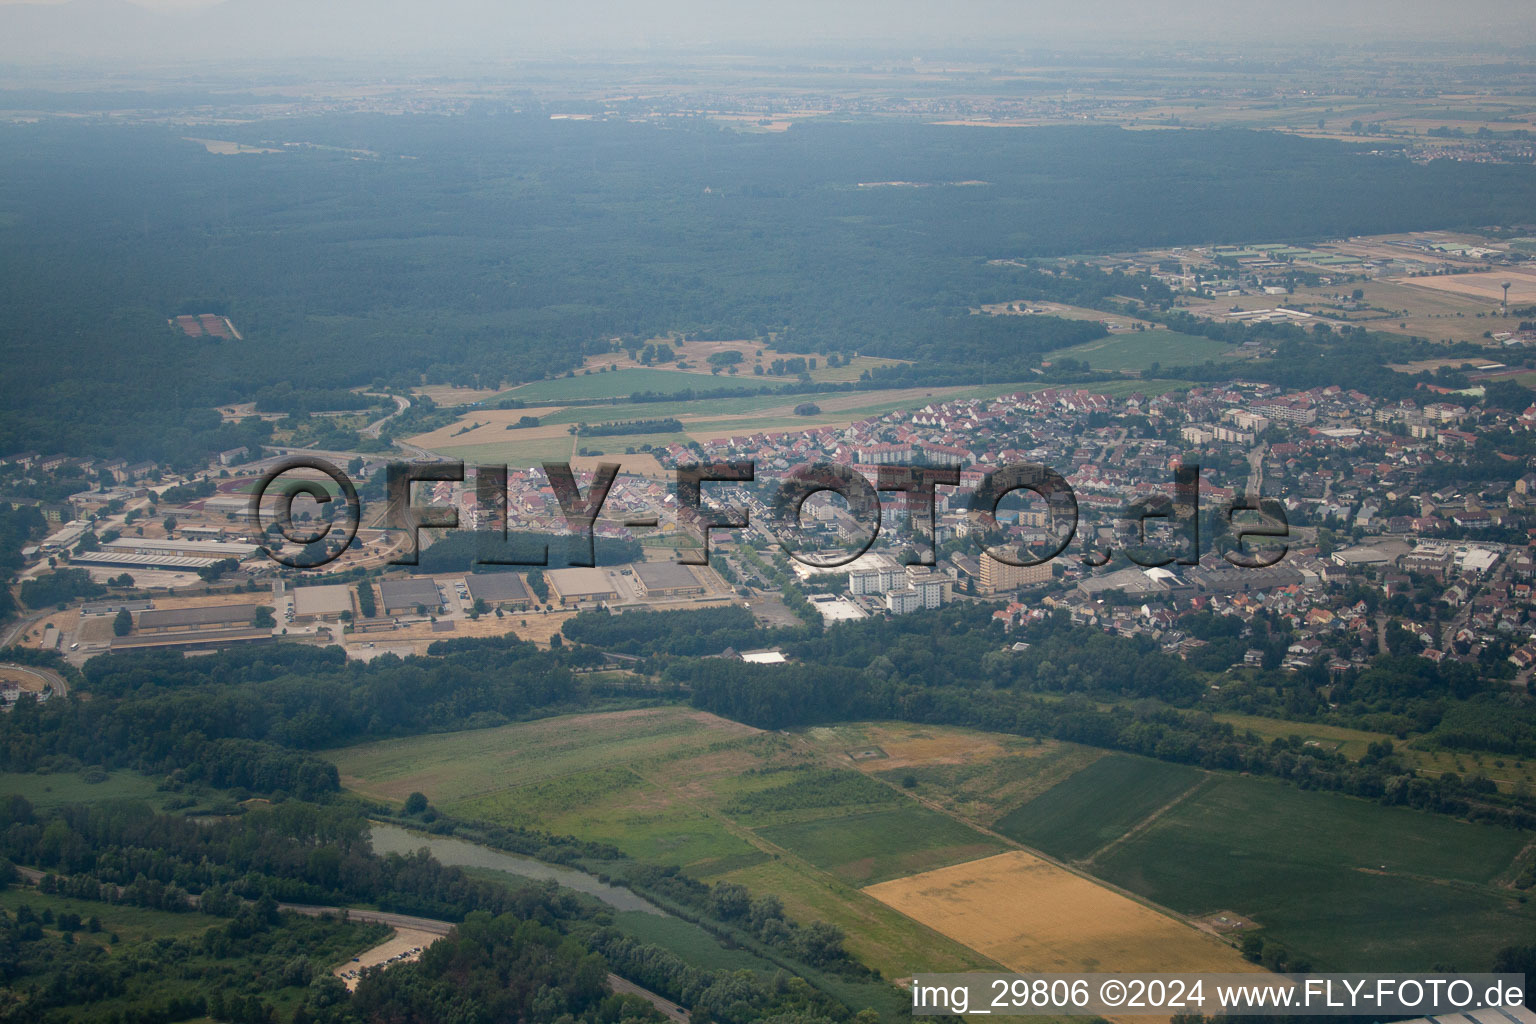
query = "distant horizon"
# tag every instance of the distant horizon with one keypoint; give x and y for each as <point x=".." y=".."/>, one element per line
<point x="130" y="29"/>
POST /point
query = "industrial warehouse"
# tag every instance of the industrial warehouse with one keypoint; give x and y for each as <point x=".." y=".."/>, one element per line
<point x="312" y="604"/>
<point x="666" y="579"/>
<point x="407" y="597"/>
<point x="580" y="586"/>
<point x="176" y="555"/>
<point x="499" y="590"/>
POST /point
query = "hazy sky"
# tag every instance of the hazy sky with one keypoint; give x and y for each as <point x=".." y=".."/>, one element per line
<point x="310" y="26"/>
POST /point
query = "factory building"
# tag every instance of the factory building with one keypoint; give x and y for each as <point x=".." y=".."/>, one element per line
<point x="499" y="589"/>
<point x="580" y="586"/>
<point x="404" y="597"/>
<point x="666" y="579"/>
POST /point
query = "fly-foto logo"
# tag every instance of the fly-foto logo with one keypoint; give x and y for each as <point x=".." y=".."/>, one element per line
<point x="917" y="486"/>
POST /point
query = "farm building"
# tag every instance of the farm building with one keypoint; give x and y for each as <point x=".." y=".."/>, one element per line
<point x="174" y="620"/>
<point x="499" y="588"/>
<point x="327" y="602"/>
<point x="666" y="579"/>
<point x="578" y="586"/>
<point x="405" y="596"/>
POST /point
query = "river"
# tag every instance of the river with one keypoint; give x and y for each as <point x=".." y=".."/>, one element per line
<point x="460" y="853"/>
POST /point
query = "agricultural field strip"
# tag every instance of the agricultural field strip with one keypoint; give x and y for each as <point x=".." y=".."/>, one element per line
<point x="1014" y="844"/>
<point x="1147" y="822"/>
<point x="553" y="754"/>
<point x="1506" y="878"/>
<point x="799" y="863"/>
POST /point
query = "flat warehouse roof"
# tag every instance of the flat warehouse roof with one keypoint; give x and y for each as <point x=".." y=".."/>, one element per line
<point x="574" y="582"/>
<point x="666" y="576"/>
<point x="398" y="593"/>
<point x="222" y="549"/>
<point x="132" y="559"/>
<point x="206" y="616"/>
<point x="492" y="587"/>
<point x="324" y="600"/>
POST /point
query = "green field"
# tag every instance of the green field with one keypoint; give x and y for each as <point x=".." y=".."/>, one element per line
<point x="1346" y="883"/>
<point x="862" y="849"/>
<point x="983" y="790"/>
<point x="45" y="791"/>
<point x="1097" y="805"/>
<point x="708" y="418"/>
<point x="1138" y="350"/>
<point x="614" y="384"/>
<point x="452" y="767"/>
<point x="657" y="784"/>
<point x="130" y="924"/>
<point x="688" y="941"/>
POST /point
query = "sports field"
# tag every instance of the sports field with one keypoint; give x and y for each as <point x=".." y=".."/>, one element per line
<point x="1030" y="915"/>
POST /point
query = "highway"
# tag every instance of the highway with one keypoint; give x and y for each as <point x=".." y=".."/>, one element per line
<point x="49" y="678"/>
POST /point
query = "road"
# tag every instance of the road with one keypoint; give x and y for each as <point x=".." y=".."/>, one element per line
<point x="1256" y="469"/>
<point x="401" y="404"/>
<point x="49" y="678"/>
<point x="22" y="626"/>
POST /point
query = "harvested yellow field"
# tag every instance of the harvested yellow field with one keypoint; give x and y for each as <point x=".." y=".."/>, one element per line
<point x="1488" y="286"/>
<point x="1033" y="916"/>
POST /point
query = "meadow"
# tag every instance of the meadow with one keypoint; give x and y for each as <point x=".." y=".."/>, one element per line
<point x="910" y="837"/>
<point x="130" y="924"/>
<point x="657" y="785"/>
<point x="702" y="419"/>
<point x="453" y="767"/>
<point x="1140" y="350"/>
<point x="47" y="791"/>
<point x="1342" y="882"/>
<point x="1345" y="883"/>
<point x="862" y="849"/>
<point x="1097" y="805"/>
<point x="614" y="384"/>
<point x="977" y="775"/>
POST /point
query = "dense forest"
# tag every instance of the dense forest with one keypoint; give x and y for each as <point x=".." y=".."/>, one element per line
<point x="529" y="951"/>
<point x="481" y="249"/>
